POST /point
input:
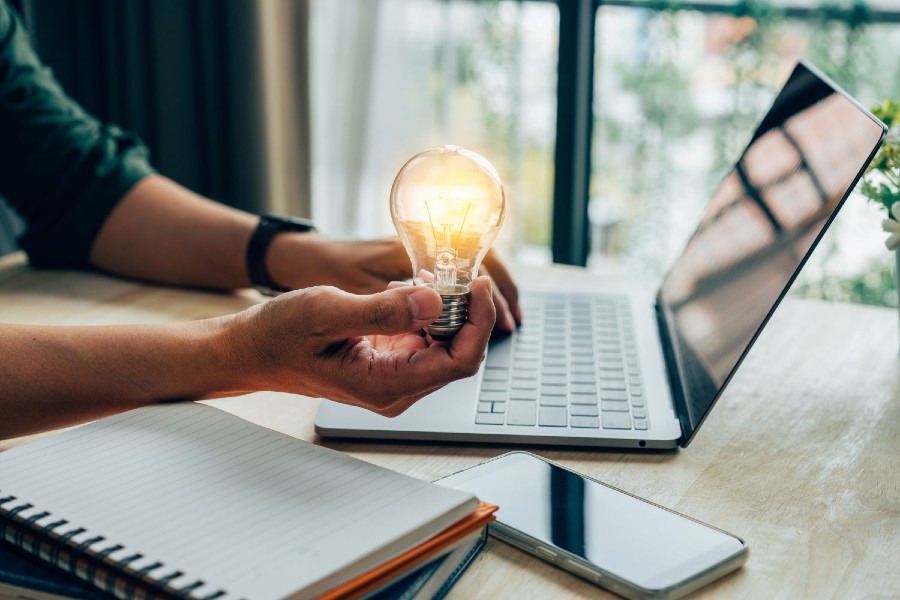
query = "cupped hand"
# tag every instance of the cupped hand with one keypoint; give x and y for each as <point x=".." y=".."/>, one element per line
<point x="297" y="261"/>
<point x="367" y="351"/>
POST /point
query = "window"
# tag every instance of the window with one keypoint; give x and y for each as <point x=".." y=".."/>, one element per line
<point x="675" y="95"/>
<point x="393" y="78"/>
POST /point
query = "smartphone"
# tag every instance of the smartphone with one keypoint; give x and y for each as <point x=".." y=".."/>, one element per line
<point x="623" y="543"/>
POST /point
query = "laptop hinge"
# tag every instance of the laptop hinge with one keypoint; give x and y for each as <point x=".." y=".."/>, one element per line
<point x="675" y="383"/>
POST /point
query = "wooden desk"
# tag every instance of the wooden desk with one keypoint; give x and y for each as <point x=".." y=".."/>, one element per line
<point x="801" y="457"/>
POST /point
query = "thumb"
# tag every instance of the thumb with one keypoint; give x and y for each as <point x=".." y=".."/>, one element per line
<point x="393" y="311"/>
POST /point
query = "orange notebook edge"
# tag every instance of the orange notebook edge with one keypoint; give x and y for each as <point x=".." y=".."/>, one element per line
<point x="383" y="574"/>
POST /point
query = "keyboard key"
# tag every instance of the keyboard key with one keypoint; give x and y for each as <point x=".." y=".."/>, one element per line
<point x="553" y="390"/>
<point x="494" y="386"/>
<point x="528" y="365"/>
<point x="582" y="369"/>
<point x="583" y="378"/>
<point x="521" y="413"/>
<point x="612" y="384"/>
<point x="583" y="389"/>
<point x="555" y="361"/>
<point x="638" y="401"/>
<point x="584" y="399"/>
<point x="499" y="407"/>
<point x="639" y="413"/>
<point x="616" y="420"/>
<point x="553" y="358"/>
<point x="554" y="401"/>
<point x="488" y="419"/>
<point x="499" y="354"/>
<point x="525" y="374"/>
<point x="585" y="422"/>
<point x="614" y="406"/>
<point x="493" y="396"/>
<point x="583" y="410"/>
<point x="552" y="416"/>
<point x="636" y="390"/>
<point x="613" y="394"/>
<point x="553" y="370"/>
<point x="523" y="395"/>
<point x="553" y="380"/>
<point x="524" y="384"/>
<point x="492" y="374"/>
<point x="640" y="424"/>
<point x="485" y="407"/>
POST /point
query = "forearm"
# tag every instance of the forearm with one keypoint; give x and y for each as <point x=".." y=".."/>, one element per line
<point x="58" y="376"/>
<point x="162" y="232"/>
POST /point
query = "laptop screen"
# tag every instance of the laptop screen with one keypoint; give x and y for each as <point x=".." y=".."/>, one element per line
<point x="758" y="230"/>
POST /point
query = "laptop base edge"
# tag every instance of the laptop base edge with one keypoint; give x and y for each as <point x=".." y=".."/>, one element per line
<point x="493" y="438"/>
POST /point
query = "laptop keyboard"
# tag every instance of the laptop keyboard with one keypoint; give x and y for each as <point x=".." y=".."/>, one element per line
<point x="573" y="363"/>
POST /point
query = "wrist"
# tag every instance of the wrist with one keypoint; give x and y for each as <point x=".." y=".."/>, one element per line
<point x="264" y="235"/>
<point x="293" y="258"/>
<point x="226" y="356"/>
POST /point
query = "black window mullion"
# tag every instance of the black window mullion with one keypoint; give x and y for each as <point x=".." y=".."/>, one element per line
<point x="574" y="117"/>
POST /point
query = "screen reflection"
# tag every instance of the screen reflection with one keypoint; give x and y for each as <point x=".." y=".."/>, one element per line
<point x="759" y="228"/>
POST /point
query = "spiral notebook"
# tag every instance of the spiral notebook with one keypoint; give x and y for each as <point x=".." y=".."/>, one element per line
<point x="190" y="501"/>
<point x="25" y="577"/>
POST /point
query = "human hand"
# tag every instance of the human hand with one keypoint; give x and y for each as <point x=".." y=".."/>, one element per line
<point x="297" y="261"/>
<point x="368" y="351"/>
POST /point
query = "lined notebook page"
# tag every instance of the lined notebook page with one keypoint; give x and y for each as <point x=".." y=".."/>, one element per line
<point x="253" y="512"/>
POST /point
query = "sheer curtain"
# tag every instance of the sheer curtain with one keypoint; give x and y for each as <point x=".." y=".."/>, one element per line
<point x="375" y="101"/>
<point x="395" y="77"/>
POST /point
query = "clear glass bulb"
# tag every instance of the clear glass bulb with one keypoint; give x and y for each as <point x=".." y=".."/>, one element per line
<point x="447" y="204"/>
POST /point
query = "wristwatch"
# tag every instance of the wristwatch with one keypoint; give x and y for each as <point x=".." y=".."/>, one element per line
<point x="269" y="226"/>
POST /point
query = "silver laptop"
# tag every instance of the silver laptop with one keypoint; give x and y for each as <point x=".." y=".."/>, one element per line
<point x="644" y="371"/>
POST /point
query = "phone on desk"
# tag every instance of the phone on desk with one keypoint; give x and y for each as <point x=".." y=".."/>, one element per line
<point x="621" y="542"/>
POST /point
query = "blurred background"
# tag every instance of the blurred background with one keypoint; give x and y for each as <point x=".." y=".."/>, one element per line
<point x="611" y="121"/>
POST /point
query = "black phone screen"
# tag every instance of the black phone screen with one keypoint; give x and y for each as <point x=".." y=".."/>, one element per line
<point x="623" y="535"/>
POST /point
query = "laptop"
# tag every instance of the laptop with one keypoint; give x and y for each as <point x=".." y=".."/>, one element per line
<point x="625" y="369"/>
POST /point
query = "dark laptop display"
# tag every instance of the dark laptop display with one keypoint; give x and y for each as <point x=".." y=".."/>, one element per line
<point x="757" y="232"/>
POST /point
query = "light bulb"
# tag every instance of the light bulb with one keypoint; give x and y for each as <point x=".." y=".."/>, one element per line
<point x="447" y="204"/>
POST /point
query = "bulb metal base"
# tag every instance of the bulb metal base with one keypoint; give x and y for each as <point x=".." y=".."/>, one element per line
<point x="454" y="312"/>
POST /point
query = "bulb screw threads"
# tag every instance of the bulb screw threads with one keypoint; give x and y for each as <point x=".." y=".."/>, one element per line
<point x="454" y="311"/>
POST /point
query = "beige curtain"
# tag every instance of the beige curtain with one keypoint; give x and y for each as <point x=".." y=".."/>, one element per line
<point x="284" y="39"/>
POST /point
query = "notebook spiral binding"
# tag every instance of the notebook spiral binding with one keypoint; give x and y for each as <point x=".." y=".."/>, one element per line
<point x="94" y="566"/>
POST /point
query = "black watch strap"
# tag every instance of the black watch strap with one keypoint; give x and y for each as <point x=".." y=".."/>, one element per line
<point x="269" y="226"/>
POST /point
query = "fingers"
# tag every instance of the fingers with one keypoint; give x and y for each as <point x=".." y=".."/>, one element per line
<point x="468" y="346"/>
<point x="506" y="323"/>
<point x="505" y="283"/>
<point x="397" y="310"/>
<point x="401" y="375"/>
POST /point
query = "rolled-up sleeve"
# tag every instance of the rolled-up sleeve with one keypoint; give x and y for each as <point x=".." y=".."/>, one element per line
<point x="62" y="170"/>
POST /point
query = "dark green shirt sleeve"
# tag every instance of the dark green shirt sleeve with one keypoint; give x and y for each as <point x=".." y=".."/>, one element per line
<point x="61" y="169"/>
